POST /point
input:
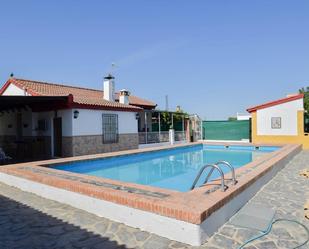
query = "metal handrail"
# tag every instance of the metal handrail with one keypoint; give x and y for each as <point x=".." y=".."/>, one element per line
<point x="232" y="170"/>
<point x="213" y="166"/>
<point x="208" y="175"/>
<point x="224" y="163"/>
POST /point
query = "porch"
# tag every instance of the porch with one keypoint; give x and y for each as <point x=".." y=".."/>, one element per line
<point x="29" y="127"/>
<point x="154" y="126"/>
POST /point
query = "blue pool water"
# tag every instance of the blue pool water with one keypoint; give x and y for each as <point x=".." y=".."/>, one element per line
<point x="170" y="169"/>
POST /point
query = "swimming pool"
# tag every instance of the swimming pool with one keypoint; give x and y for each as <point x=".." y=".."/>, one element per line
<point x="148" y="188"/>
<point x="173" y="169"/>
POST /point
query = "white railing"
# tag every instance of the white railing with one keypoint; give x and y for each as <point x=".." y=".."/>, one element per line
<point x="159" y="137"/>
<point x="180" y="136"/>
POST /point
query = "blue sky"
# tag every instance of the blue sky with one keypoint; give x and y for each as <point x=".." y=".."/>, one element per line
<point x="214" y="58"/>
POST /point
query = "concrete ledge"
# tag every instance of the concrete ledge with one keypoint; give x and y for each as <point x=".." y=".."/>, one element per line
<point x="166" y="227"/>
<point x="143" y="146"/>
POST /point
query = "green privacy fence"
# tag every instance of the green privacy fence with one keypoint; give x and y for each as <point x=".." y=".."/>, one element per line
<point x="226" y="130"/>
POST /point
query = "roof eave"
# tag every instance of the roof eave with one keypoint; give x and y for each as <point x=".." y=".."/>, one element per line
<point x="276" y="102"/>
<point x="109" y="108"/>
<point x="12" y="81"/>
<point x="5" y="86"/>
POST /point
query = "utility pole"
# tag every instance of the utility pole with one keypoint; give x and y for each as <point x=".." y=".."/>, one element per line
<point x="166" y="102"/>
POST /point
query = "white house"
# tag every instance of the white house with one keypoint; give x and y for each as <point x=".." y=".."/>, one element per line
<point x="281" y="121"/>
<point x="242" y="116"/>
<point x="42" y="120"/>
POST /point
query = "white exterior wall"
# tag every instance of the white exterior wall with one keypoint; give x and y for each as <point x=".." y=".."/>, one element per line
<point x="66" y="116"/>
<point x="67" y="122"/>
<point x="89" y="122"/>
<point x="5" y="120"/>
<point x="9" y="119"/>
<point x="13" y="90"/>
<point x="240" y="116"/>
<point x="31" y="120"/>
<point x="36" y="116"/>
<point x="287" y="112"/>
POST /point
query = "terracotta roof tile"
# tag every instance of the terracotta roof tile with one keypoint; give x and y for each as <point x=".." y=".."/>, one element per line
<point x="81" y="95"/>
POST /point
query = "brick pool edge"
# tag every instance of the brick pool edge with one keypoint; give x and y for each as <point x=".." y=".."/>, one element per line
<point x="189" y="217"/>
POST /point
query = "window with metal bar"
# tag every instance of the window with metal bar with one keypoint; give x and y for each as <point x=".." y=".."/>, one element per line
<point x="110" y="128"/>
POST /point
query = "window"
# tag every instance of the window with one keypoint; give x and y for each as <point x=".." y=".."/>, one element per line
<point x="276" y="122"/>
<point x="110" y="128"/>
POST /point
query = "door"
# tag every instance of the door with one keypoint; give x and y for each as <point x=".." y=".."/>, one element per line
<point x="57" y="137"/>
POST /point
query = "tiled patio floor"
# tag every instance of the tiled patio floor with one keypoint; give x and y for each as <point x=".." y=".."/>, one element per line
<point x="29" y="221"/>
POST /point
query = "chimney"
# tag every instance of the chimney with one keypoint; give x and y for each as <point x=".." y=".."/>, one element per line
<point x="124" y="96"/>
<point x="109" y="88"/>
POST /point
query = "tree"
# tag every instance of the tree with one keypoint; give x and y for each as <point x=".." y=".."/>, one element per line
<point x="232" y="119"/>
<point x="305" y="91"/>
<point x="178" y="117"/>
<point x="166" y="121"/>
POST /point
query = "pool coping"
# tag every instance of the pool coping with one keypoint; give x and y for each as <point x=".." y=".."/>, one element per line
<point x="182" y="206"/>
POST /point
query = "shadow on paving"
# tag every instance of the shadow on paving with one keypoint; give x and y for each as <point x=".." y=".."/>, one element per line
<point x="24" y="227"/>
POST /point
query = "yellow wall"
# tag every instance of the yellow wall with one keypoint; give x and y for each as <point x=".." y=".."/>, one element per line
<point x="301" y="138"/>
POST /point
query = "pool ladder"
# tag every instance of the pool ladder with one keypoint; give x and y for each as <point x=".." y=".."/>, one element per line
<point x="218" y="168"/>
